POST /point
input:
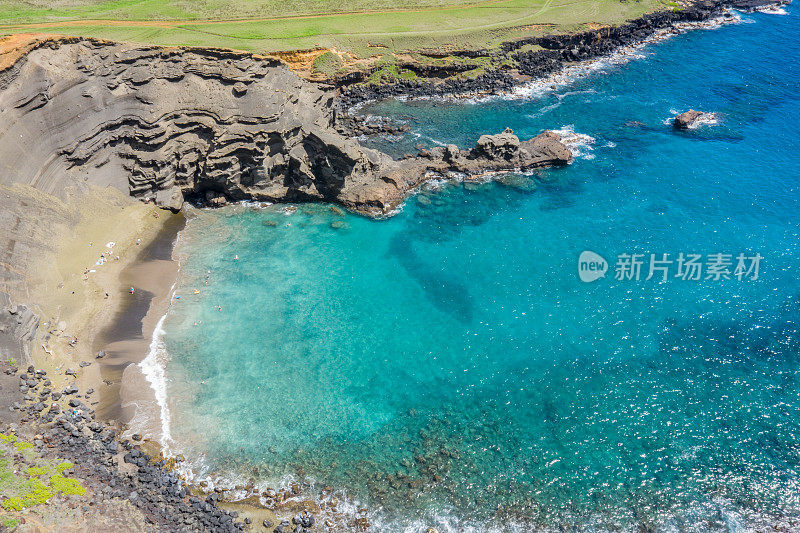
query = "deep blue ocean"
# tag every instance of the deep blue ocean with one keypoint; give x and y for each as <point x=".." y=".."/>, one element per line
<point x="447" y="367"/>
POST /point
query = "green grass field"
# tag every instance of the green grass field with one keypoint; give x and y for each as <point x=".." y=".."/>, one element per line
<point x="358" y="28"/>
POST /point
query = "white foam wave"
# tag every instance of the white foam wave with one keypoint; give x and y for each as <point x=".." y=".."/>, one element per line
<point x="580" y="144"/>
<point x="568" y="75"/>
<point x="427" y="138"/>
<point x="255" y="204"/>
<point x="236" y="486"/>
<point x="773" y="10"/>
<point x="706" y="119"/>
<point x="152" y="368"/>
<point x="621" y="56"/>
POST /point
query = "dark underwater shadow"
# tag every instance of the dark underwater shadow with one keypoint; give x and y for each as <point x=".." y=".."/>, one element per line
<point x="446" y="292"/>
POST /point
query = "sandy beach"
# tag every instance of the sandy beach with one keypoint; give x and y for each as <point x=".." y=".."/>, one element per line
<point x="126" y="338"/>
<point x="92" y="249"/>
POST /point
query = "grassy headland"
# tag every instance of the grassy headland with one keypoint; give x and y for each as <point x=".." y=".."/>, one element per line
<point x="334" y="37"/>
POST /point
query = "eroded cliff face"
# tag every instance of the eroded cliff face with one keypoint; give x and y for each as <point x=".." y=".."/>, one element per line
<point x="163" y="123"/>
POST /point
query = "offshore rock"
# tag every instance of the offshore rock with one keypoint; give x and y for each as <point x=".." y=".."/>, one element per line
<point x="687" y="119"/>
<point x="167" y="123"/>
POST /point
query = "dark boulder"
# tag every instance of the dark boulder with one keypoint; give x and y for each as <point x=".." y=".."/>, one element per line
<point x="687" y="119"/>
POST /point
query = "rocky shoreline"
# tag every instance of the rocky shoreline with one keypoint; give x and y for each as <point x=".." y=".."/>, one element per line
<point x="556" y="52"/>
<point x="60" y="424"/>
<point x="163" y="124"/>
<point x="169" y="124"/>
<point x="128" y="478"/>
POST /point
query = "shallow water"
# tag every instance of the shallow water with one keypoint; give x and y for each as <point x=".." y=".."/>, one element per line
<point x="448" y="367"/>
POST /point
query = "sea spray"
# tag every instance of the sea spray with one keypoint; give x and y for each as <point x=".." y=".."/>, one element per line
<point x="580" y="144"/>
<point x="567" y="75"/>
<point x="602" y="65"/>
<point x="153" y="368"/>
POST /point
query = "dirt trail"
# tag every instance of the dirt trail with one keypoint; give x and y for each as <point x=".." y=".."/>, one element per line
<point x="177" y="23"/>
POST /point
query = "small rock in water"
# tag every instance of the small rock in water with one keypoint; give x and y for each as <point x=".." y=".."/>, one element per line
<point x="136" y="437"/>
<point x="306" y="520"/>
<point x="338" y="224"/>
<point x="687" y="119"/>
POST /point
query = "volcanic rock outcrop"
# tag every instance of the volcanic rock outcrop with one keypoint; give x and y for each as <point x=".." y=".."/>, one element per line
<point x="689" y="119"/>
<point x="162" y="123"/>
<point x="17" y="327"/>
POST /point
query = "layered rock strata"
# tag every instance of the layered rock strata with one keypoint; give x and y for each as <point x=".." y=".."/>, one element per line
<point x="164" y="123"/>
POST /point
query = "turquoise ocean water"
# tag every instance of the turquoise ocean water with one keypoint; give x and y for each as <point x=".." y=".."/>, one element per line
<point x="447" y="366"/>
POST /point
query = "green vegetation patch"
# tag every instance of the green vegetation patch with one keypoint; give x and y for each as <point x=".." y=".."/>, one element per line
<point x="31" y="483"/>
<point x="65" y="485"/>
<point x="64" y="466"/>
<point x="11" y="523"/>
<point x="390" y="73"/>
<point x="37" y="471"/>
<point x="328" y="64"/>
<point x="164" y="10"/>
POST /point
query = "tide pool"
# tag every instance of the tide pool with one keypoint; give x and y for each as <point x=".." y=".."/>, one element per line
<point x="447" y="367"/>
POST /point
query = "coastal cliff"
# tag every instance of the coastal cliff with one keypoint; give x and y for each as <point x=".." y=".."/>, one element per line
<point x="165" y="123"/>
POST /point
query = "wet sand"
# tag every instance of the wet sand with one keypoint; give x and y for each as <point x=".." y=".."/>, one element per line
<point x="126" y="339"/>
